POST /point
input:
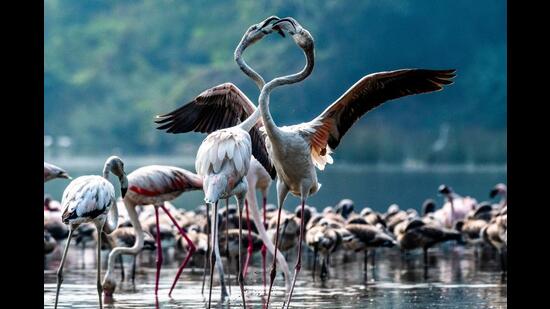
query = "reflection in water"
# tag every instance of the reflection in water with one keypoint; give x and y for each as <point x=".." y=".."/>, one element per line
<point x="456" y="277"/>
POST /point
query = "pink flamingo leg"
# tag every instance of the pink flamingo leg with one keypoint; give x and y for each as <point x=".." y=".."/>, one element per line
<point x="299" y="262"/>
<point x="264" y="248"/>
<point x="249" y="248"/>
<point x="159" y="251"/>
<point x="192" y="248"/>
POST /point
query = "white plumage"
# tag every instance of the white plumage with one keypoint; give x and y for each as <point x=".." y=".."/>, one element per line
<point x="87" y="198"/>
<point x="232" y="145"/>
<point x="91" y="199"/>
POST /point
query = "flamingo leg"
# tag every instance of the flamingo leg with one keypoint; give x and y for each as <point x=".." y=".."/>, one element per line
<point x="83" y="250"/>
<point x="206" y="255"/>
<point x="121" y="267"/>
<point x="134" y="270"/>
<point x="159" y="251"/>
<point x="314" y="262"/>
<point x="365" y="263"/>
<point x="212" y="255"/>
<point x="264" y="248"/>
<point x="227" y="243"/>
<point x="502" y="261"/>
<point x="99" y="287"/>
<point x="240" y="268"/>
<point x="299" y="260"/>
<point x="60" y="270"/>
<point x="425" y="263"/>
<point x="190" y="244"/>
<point x="282" y="191"/>
<point x="249" y="247"/>
<point x="324" y="269"/>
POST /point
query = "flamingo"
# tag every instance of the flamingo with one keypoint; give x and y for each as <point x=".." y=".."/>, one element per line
<point x="500" y="189"/>
<point x="495" y="233"/>
<point x="418" y="234"/>
<point x="92" y="199"/>
<point x="455" y="208"/>
<point x="49" y="243"/>
<point x="53" y="221"/>
<point x="219" y="108"/>
<point x="474" y="222"/>
<point x="51" y="172"/>
<point x="153" y="185"/>
<point x="230" y="239"/>
<point x="296" y="150"/>
<point x="344" y="208"/>
<point x="288" y="237"/>
<point x="324" y="239"/>
<point x="363" y="237"/>
<point x="223" y="106"/>
<point x="372" y="217"/>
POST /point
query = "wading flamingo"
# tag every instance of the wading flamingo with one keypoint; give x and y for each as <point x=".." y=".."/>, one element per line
<point x="296" y="150"/>
<point x="92" y="199"/>
<point x="200" y="115"/>
<point x="153" y="185"/>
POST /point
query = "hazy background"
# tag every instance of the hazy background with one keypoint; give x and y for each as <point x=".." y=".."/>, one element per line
<point x="111" y="66"/>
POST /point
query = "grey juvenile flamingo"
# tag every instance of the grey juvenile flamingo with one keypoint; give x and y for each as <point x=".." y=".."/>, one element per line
<point x="51" y="172"/>
<point x="92" y="199"/>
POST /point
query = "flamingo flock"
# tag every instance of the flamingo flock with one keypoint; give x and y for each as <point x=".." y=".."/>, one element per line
<point x="243" y="152"/>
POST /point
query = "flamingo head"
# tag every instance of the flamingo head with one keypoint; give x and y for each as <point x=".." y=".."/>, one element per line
<point x="498" y="189"/>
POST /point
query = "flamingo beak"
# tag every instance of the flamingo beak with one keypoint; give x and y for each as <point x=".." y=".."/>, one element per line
<point x="123" y="184"/>
<point x="284" y="226"/>
<point x="64" y="175"/>
<point x="266" y="28"/>
<point x="282" y="24"/>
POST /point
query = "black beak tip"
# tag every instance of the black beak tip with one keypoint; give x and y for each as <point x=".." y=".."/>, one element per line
<point x="123" y="191"/>
<point x="493" y="193"/>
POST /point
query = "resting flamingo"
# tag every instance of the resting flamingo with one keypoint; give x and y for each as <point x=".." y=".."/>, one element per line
<point x="92" y="199"/>
<point x="153" y="185"/>
<point x="296" y="150"/>
<point x="502" y="190"/>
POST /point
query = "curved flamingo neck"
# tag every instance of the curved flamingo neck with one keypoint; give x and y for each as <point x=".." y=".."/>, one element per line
<point x="503" y="200"/>
<point x="112" y="216"/>
<point x="140" y="237"/>
<point x="271" y="128"/>
<point x="257" y="78"/>
<point x="112" y="219"/>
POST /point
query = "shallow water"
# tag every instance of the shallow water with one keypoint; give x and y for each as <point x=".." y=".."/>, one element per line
<point x="456" y="279"/>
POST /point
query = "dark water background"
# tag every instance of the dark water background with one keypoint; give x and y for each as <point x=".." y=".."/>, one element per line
<point x="374" y="186"/>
